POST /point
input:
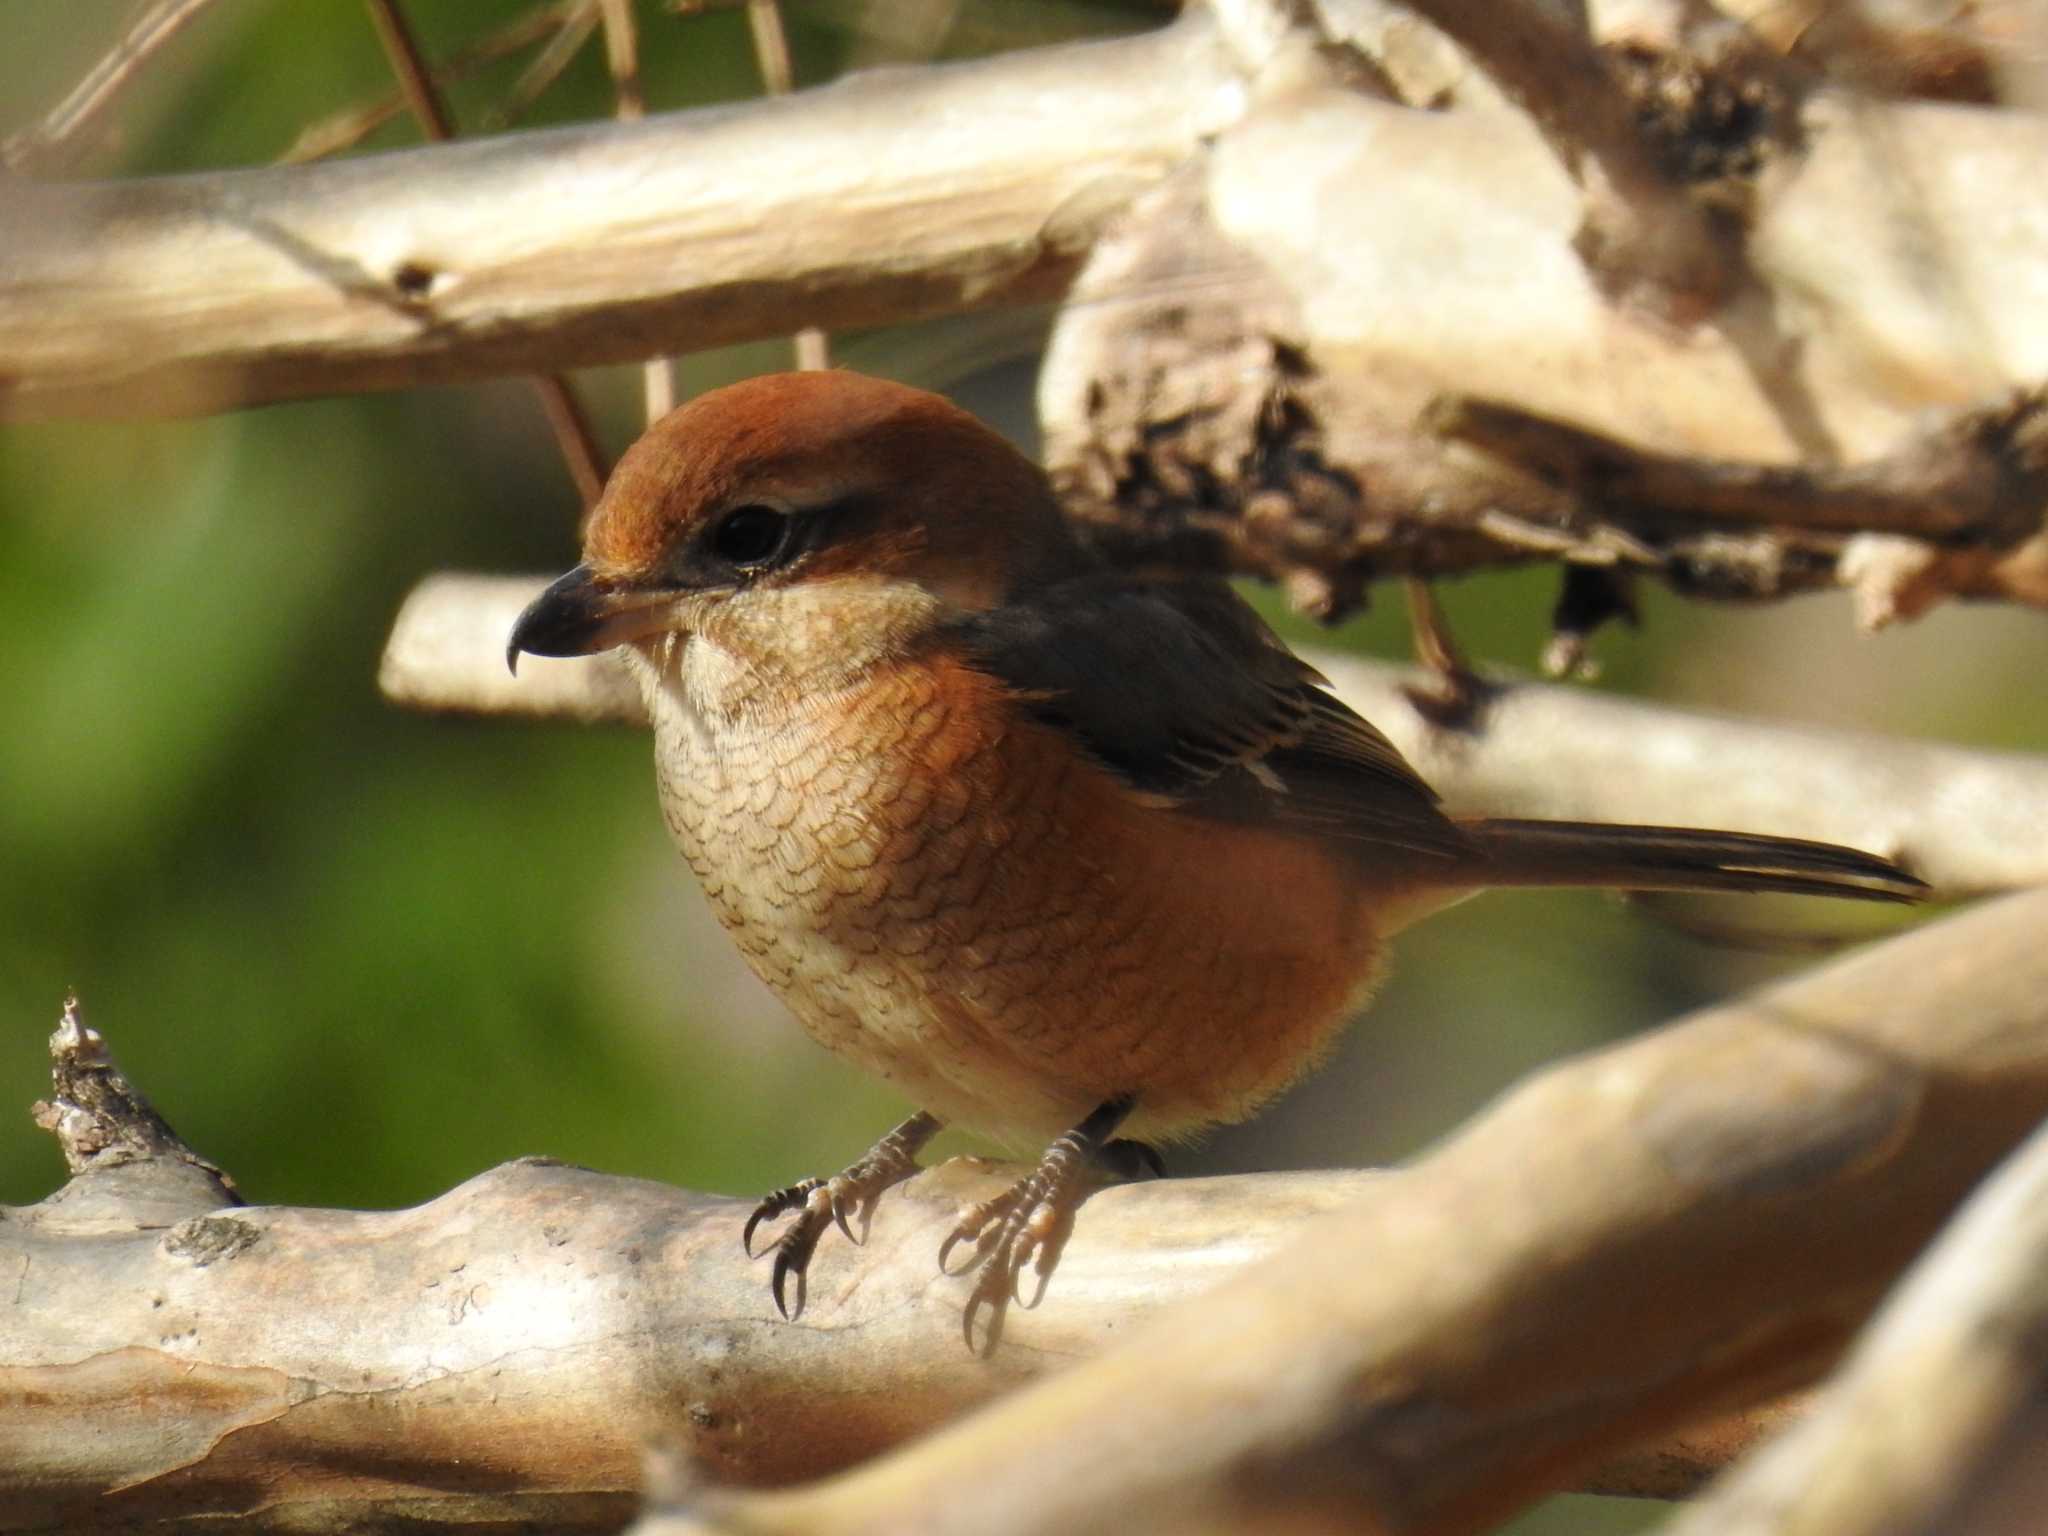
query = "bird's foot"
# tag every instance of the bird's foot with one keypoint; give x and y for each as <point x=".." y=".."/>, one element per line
<point x="821" y="1203"/>
<point x="1027" y="1225"/>
<point x="1450" y="693"/>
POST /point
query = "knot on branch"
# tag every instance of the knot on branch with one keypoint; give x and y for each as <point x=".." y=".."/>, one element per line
<point x="99" y="1119"/>
<point x="1220" y="463"/>
<point x="1713" y="118"/>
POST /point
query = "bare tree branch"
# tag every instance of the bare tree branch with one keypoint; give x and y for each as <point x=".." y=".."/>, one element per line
<point x="1243" y="375"/>
<point x="601" y="243"/>
<point x="1625" y="1242"/>
<point x="1643" y="235"/>
<point x="104" y="1124"/>
<point x="415" y="80"/>
<point x="1937" y="1423"/>
<point x="1622" y="1242"/>
<point x="1963" y="820"/>
<point x="1981" y="474"/>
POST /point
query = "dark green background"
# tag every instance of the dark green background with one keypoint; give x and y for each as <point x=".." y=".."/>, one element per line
<point x="358" y="955"/>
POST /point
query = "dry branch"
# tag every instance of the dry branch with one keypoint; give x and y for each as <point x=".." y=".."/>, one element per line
<point x="1963" y="820"/>
<point x="504" y="1353"/>
<point x="1244" y="375"/>
<point x="1982" y="474"/>
<point x="1645" y="238"/>
<point x="1625" y="1242"/>
<point x="883" y="197"/>
<point x="1938" y="1423"/>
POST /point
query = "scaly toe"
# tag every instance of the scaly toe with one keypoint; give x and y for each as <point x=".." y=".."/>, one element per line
<point x="780" y="1203"/>
<point x="794" y="1248"/>
<point x="991" y="1294"/>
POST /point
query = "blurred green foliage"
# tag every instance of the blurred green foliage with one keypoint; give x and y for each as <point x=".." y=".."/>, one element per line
<point x="358" y="955"/>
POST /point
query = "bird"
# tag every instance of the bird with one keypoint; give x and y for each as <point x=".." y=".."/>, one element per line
<point x="1074" y="856"/>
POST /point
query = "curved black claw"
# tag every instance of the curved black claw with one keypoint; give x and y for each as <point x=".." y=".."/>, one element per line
<point x="793" y="1252"/>
<point x="777" y="1204"/>
<point x="981" y="1225"/>
<point x="1024" y="1228"/>
<point x="1027" y="1225"/>
<point x="820" y="1203"/>
<point x="811" y="1199"/>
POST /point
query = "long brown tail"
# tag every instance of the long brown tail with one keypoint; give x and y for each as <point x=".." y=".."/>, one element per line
<point x="1681" y="859"/>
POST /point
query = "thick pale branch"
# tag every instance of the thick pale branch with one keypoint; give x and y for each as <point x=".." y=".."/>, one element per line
<point x="1626" y="1240"/>
<point x="883" y="197"/>
<point x="1938" y="1422"/>
<point x="1643" y="235"/>
<point x="1964" y="821"/>
<point x="1242" y="375"/>
<point x="504" y="1353"/>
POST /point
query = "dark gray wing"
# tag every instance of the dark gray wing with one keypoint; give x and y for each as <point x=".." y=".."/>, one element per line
<point x="1183" y="692"/>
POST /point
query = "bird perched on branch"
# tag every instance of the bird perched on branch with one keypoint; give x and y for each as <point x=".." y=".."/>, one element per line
<point x="1064" y="852"/>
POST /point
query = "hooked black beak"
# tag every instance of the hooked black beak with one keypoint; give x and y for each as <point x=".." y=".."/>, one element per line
<point x="580" y="614"/>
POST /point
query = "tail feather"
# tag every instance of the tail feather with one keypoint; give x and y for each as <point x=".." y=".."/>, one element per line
<point x="1681" y="859"/>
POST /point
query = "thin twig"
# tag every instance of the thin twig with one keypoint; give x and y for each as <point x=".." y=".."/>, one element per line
<point x="547" y="66"/>
<point x="342" y="131"/>
<point x="571" y="424"/>
<point x="1452" y="690"/>
<point x="42" y="147"/>
<point x="345" y="129"/>
<point x="778" y="73"/>
<point x="771" y="46"/>
<point x="1981" y="473"/>
<point x="415" y="81"/>
<point x="565" y="415"/>
<point x="622" y="54"/>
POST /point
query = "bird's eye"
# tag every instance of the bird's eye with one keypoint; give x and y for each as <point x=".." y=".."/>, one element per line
<point x="750" y="536"/>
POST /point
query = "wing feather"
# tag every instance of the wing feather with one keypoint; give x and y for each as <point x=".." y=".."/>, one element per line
<point x="1178" y="688"/>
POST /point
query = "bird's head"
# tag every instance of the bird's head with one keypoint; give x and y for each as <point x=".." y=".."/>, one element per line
<point x="802" y="512"/>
